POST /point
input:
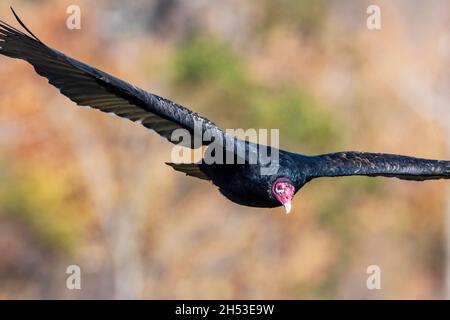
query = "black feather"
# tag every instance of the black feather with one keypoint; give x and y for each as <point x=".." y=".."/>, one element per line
<point x="88" y="86"/>
<point x="377" y="164"/>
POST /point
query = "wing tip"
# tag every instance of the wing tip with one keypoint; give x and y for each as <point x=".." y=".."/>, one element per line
<point x="23" y="24"/>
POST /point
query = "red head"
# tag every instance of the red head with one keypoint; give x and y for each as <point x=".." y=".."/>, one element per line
<point x="284" y="191"/>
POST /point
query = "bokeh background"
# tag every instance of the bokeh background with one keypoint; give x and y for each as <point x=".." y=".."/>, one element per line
<point x="79" y="187"/>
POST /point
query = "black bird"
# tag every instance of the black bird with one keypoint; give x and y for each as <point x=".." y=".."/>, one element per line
<point x="248" y="182"/>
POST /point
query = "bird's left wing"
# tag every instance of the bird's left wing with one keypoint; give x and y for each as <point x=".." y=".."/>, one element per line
<point x="375" y="165"/>
<point x="88" y="86"/>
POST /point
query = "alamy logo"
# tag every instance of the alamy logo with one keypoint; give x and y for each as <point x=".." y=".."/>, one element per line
<point x="73" y="21"/>
<point x="374" y="20"/>
<point x="374" y="279"/>
<point x="225" y="148"/>
<point x="73" y="281"/>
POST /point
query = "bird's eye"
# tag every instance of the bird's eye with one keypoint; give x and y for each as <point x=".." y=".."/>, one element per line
<point x="279" y="191"/>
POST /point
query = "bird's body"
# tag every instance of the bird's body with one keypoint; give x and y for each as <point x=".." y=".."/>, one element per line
<point x="244" y="182"/>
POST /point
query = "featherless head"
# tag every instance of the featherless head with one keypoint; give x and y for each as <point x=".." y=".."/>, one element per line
<point x="284" y="191"/>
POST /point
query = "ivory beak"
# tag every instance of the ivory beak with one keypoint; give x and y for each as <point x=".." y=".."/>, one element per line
<point x="288" y="207"/>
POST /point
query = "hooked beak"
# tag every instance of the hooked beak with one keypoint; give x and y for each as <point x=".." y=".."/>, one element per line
<point x="288" y="207"/>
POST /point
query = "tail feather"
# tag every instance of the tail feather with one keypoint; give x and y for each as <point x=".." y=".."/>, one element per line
<point x="190" y="169"/>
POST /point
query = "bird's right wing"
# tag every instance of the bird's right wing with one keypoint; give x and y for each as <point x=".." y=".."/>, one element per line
<point x="88" y="86"/>
<point x="377" y="164"/>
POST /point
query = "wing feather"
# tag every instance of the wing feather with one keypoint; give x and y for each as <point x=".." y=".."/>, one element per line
<point x="377" y="164"/>
<point x="88" y="86"/>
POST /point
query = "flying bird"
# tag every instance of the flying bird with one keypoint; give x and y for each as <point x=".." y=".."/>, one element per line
<point x="242" y="181"/>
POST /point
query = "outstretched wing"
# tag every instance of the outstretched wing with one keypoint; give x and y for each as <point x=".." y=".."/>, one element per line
<point x="377" y="164"/>
<point x="91" y="87"/>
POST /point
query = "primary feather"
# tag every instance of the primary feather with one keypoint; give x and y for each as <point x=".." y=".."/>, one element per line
<point x="88" y="86"/>
<point x="378" y="165"/>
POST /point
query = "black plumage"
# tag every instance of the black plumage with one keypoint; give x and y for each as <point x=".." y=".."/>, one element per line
<point x="241" y="182"/>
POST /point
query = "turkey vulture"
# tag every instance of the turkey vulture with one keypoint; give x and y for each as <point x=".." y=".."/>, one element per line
<point x="242" y="181"/>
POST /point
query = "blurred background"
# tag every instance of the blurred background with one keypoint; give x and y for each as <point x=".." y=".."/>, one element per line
<point x="79" y="187"/>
